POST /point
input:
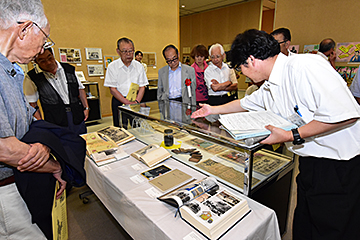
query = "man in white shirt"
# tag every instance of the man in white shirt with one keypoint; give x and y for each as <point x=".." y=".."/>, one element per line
<point x="283" y="37"/>
<point x="328" y="144"/>
<point x="62" y="95"/>
<point x="220" y="79"/>
<point x="124" y="76"/>
<point x="327" y="51"/>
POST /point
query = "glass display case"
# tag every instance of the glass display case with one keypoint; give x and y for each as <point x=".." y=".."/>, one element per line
<point x="93" y="98"/>
<point x="244" y="165"/>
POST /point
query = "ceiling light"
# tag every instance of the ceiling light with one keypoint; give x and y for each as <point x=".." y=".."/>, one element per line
<point x="183" y="6"/>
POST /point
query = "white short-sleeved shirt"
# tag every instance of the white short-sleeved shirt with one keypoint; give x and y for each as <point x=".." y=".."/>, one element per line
<point x="58" y="81"/>
<point x="355" y="85"/>
<point x="221" y="75"/>
<point x="120" y="76"/>
<point x="309" y="82"/>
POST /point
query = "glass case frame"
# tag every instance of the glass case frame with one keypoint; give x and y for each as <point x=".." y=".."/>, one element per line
<point x="248" y="155"/>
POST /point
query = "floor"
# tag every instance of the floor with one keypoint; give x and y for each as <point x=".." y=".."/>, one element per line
<point x="92" y="221"/>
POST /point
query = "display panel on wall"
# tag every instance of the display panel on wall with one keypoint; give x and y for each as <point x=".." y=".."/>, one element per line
<point x="80" y="75"/>
<point x="95" y="70"/>
<point x="109" y="59"/>
<point x="311" y="48"/>
<point x="70" y="55"/>
<point x="348" y="52"/>
<point x="347" y="73"/>
<point x="93" y="53"/>
<point x="149" y="58"/>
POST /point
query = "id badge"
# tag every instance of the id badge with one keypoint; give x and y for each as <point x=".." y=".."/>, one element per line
<point x="297" y="120"/>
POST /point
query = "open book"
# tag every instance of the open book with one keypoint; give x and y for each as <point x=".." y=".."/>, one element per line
<point x="151" y="155"/>
<point x="208" y="207"/>
<point x="102" y="150"/>
<point x="252" y="124"/>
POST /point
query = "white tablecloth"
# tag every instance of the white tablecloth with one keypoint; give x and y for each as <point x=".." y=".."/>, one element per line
<point x="146" y="218"/>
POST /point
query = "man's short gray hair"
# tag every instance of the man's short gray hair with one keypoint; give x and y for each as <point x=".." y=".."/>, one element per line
<point x="215" y="46"/>
<point x="13" y="11"/>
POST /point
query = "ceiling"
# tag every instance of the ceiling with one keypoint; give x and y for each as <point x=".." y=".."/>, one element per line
<point x="189" y="7"/>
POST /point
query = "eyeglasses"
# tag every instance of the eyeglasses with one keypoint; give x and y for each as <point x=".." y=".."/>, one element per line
<point x="283" y="42"/>
<point x="172" y="60"/>
<point x="49" y="42"/>
<point x="127" y="51"/>
<point x="215" y="56"/>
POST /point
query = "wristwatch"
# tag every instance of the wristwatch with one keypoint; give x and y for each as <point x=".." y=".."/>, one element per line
<point x="86" y="108"/>
<point x="297" y="139"/>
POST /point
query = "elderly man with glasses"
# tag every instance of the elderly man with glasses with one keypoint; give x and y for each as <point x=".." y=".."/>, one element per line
<point x="24" y="30"/>
<point x="62" y="95"/>
<point x="126" y="78"/>
<point x="176" y="81"/>
<point x="220" y="79"/>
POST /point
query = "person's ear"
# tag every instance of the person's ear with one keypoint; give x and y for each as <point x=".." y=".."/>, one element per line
<point x="287" y="44"/>
<point x="251" y="60"/>
<point x="24" y="29"/>
<point x="118" y="51"/>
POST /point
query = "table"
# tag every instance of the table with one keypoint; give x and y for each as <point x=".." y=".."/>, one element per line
<point x="146" y="218"/>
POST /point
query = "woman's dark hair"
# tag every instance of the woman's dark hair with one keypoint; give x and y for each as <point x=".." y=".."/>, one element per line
<point x="199" y="50"/>
<point x="259" y="44"/>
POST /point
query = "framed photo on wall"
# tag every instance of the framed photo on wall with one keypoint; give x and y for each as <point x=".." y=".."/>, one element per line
<point x="70" y="55"/>
<point x="93" y="53"/>
<point x="108" y="59"/>
<point x="149" y="58"/>
<point x="95" y="70"/>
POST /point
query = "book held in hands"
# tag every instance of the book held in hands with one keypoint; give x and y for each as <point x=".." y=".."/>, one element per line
<point x="208" y="207"/>
<point x="244" y="125"/>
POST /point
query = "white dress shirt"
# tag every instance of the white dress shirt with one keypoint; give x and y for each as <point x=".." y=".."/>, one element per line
<point x="120" y="76"/>
<point x="175" y="82"/>
<point x="221" y="75"/>
<point x="321" y="94"/>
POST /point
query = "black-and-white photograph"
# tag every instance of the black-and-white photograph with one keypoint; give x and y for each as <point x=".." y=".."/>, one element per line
<point x="194" y="207"/>
<point x="114" y="133"/>
<point x="227" y="197"/>
<point x="95" y="70"/>
<point x="217" y="207"/>
<point x="93" y="53"/>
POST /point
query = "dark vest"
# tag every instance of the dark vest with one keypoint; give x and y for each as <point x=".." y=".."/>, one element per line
<point x="51" y="102"/>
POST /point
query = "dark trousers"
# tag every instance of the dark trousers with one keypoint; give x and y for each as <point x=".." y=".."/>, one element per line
<point x="77" y="129"/>
<point x="328" y="199"/>
<point x="220" y="100"/>
<point x="125" y="118"/>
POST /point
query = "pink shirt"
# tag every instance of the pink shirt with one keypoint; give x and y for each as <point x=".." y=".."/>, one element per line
<point x="201" y="88"/>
